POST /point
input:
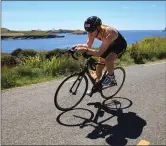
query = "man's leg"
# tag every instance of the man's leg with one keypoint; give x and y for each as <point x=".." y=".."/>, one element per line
<point x="98" y="73"/>
<point x="109" y="62"/>
<point x="99" y="69"/>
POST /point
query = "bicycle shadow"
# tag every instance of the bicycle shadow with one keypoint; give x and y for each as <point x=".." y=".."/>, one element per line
<point x="129" y="125"/>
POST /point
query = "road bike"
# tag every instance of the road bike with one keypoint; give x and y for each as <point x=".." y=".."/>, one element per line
<point x="73" y="88"/>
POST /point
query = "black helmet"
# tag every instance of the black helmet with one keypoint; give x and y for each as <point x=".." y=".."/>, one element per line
<point x="91" y="23"/>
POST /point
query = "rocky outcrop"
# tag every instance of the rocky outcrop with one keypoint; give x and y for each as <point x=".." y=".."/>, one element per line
<point x="79" y="32"/>
<point x="31" y="37"/>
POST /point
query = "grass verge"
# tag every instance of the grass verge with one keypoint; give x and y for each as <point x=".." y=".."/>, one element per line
<point x="36" y="67"/>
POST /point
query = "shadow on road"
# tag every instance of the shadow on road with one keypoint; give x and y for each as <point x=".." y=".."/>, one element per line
<point x="129" y="125"/>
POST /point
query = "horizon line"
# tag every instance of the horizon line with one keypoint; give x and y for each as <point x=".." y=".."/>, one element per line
<point x="74" y="29"/>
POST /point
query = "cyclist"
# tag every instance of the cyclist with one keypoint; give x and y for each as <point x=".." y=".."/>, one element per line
<point x="112" y="47"/>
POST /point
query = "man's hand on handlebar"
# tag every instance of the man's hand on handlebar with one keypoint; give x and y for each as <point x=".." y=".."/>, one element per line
<point x="81" y="45"/>
<point x="81" y="48"/>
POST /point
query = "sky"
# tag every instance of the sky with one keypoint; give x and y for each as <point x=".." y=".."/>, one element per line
<point x="47" y="15"/>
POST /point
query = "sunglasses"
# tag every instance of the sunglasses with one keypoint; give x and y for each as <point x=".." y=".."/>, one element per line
<point x="91" y="31"/>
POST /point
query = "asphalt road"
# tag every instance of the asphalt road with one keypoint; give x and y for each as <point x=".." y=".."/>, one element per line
<point x="28" y="114"/>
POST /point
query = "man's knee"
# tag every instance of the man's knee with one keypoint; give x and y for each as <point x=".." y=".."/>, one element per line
<point x="111" y="57"/>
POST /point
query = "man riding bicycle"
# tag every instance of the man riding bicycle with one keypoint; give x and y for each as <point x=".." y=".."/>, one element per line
<point x="112" y="47"/>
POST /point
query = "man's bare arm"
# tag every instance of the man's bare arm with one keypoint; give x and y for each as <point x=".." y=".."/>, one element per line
<point x="89" y="42"/>
<point x="110" y="38"/>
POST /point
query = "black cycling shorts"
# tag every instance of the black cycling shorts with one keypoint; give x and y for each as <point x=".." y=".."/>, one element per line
<point x="118" y="47"/>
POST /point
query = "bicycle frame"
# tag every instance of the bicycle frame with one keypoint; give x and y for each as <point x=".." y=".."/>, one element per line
<point x="96" y="87"/>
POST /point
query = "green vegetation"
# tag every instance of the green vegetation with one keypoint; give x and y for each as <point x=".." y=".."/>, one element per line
<point x="4" y="30"/>
<point x="79" y="32"/>
<point x="6" y="33"/>
<point x="33" y="34"/>
<point x="148" y="49"/>
<point x="23" y="67"/>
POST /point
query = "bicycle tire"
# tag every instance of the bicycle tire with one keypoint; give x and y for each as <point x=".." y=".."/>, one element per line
<point x="58" y="119"/>
<point x="124" y="76"/>
<point x="77" y="75"/>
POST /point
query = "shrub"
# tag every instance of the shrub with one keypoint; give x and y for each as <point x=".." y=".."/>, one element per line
<point x="57" y="53"/>
<point x="135" y="54"/>
<point x="16" y="52"/>
<point x="8" y="78"/>
<point x="62" y="66"/>
<point x="33" y="62"/>
<point x="28" y="52"/>
<point x="24" y="53"/>
<point x="23" y="71"/>
<point x="9" y="60"/>
<point x="148" y="49"/>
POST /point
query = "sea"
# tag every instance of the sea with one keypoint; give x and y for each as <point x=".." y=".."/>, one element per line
<point x="131" y="36"/>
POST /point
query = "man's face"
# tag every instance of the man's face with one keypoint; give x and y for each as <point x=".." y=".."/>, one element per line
<point x="94" y="33"/>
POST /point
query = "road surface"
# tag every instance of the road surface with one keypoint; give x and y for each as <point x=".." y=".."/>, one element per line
<point x="29" y="115"/>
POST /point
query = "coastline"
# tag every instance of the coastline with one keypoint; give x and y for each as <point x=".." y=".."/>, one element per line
<point x="24" y="37"/>
<point x="36" y="34"/>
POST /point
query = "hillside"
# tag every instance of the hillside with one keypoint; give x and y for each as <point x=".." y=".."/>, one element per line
<point x="79" y="32"/>
<point x="4" y="30"/>
<point x="41" y="32"/>
<point x="32" y="34"/>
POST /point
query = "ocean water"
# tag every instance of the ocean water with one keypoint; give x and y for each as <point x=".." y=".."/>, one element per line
<point x="131" y="36"/>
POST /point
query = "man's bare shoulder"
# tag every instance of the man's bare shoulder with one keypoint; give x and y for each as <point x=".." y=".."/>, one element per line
<point x="110" y="29"/>
<point x="110" y="33"/>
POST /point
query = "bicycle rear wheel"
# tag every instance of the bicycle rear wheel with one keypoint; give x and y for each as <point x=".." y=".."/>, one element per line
<point x="71" y="92"/>
<point x="109" y="92"/>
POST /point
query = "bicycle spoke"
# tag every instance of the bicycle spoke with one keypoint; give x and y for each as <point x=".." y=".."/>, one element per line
<point x="112" y="90"/>
<point x="70" y="92"/>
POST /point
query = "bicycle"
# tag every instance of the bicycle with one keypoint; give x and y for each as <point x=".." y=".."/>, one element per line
<point x="80" y="79"/>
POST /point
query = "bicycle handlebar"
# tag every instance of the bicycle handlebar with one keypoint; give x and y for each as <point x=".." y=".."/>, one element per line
<point x="72" y="52"/>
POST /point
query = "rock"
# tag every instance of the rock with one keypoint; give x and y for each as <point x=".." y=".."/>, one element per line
<point x="31" y="37"/>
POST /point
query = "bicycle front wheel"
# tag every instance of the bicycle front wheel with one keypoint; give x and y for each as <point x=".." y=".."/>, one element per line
<point x="109" y="92"/>
<point x="71" y="92"/>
